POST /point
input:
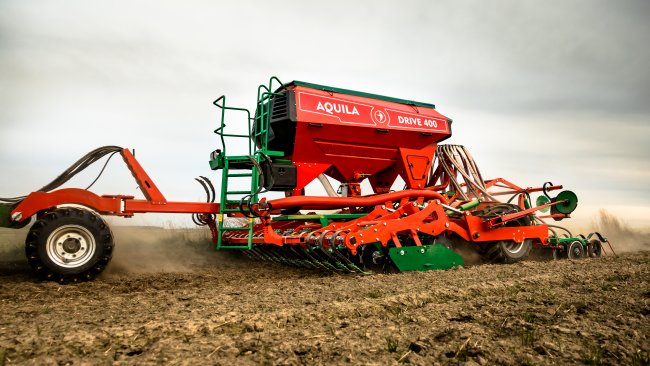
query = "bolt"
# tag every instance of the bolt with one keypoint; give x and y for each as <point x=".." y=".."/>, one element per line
<point x="385" y="224"/>
<point x="376" y="239"/>
<point x="438" y="202"/>
<point x="415" y="204"/>
<point x="383" y="207"/>
<point x="375" y="229"/>
<point x="422" y="251"/>
<point x="17" y="216"/>
<point x="417" y="229"/>
<point x="360" y="234"/>
<point x="446" y="224"/>
<point x="401" y="252"/>
<point x="361" y="242"/>
<point x="477" y="235"/>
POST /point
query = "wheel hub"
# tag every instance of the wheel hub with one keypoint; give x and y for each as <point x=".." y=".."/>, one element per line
<point x="576" y="251"/>
<point x="70" y="246"/>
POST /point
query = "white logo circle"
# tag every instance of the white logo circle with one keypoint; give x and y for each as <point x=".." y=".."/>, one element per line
<point x="380" y="116"/>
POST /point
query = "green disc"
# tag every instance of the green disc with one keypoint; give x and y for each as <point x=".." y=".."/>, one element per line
<point x="568" y="206"/>
<point x="542" y="200"/>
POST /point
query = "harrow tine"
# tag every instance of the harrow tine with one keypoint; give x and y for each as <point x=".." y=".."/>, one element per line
<point x="209" y="183"/>
<point x="287" y="257"/>
<point x="323" y="260"/>
<point x="306" y="262"/>
<point x="290" y="257"/>
<point x="256" y="255"/>
<point x="248" y="254"/>
<point x="205" y="188"/>
<point x="337" y="262"/>
<point x="263" y="255"/>
<point x="348" y="262"/>
<point x="316" y="262"/>
<point x="274" y="256"/>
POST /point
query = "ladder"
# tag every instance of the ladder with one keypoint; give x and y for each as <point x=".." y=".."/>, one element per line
<point x="242" y="167"/>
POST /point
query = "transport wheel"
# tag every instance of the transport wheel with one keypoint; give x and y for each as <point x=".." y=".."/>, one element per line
<point x="575" y="250"/>
<point x="69" y="245"/>
<point x="507" y="251"/>
<point x="595" y="249"/>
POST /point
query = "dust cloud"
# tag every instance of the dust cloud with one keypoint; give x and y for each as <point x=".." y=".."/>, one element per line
<point x="622" y="237"/>
<point x="157" y="250"/>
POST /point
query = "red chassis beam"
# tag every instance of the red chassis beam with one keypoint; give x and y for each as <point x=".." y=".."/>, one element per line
<point x="118" y="205"/>
<point x="106" y="205"/>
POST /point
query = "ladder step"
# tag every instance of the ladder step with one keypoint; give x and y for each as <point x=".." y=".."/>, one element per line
<point x="232" y="202"/>
<point x="240" y="175"/>
<point x="274" y="153"/>
<point x="238" y="192"/>
<point x="238" y="158"/>
<point x="235" y="229"/>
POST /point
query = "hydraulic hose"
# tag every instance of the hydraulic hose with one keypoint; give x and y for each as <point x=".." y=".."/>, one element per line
<point x="327" y="185"/>
<point x="76" y="168"/>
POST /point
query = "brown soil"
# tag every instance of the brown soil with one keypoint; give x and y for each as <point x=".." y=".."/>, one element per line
<point x="179" y="303"/>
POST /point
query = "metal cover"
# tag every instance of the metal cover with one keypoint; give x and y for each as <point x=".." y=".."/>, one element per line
<point x="424" y="258"/>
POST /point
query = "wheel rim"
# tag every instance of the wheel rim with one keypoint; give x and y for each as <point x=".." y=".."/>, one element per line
<point x="576" y="250"/>
<point x="513" y="247"/>
<point x="71" y="246"/>
<point x="596" y="249"/>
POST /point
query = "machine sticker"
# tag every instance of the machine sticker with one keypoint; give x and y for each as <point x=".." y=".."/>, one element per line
<point x="345" y="111"/>
<point x="419" y="122"/>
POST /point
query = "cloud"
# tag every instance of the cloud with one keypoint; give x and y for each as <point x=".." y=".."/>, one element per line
<point x="537" y="92"/>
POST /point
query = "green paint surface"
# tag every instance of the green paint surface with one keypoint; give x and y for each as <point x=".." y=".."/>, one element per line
<point x="424" y="258"/>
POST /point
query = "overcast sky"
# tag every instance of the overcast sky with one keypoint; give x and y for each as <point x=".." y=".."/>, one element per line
<point x="538" y="91"/>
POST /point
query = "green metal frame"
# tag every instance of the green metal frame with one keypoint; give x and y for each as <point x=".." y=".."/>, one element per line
<point x="360" y="94"/>
<point x="555" y="241"/>
<point x="258" y="127"/>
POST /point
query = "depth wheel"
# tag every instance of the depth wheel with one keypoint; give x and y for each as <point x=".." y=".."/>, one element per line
<point x="595" y="249"/>
<point x="507" y="251"/>
<point x="575" y="250"/>
<point x="559" y="253"/>
<point x="69" y="245"/>
<point x="374" y="259"/>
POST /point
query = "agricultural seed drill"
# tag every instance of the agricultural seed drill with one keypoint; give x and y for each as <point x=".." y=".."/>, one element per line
<point x="299" y="133"/>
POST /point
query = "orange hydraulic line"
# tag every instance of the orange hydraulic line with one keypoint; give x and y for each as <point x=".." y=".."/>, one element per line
<point x="340" y="202"/>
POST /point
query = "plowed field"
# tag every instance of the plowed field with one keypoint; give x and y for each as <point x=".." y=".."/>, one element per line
<point x="168" y="299"/>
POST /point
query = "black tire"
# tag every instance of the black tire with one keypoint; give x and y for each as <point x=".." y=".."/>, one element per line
<point x="595" y="249"/>
<point x="575" y="250"/>
<point x="507" y="251"/>
<point x="374" y="259"/>
<point x="69" y="245"/>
